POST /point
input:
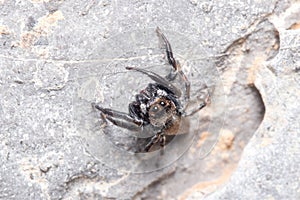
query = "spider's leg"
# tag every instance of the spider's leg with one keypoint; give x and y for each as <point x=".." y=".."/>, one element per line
<point x="192" y="112"/>
<point x="175" y="64"/>
<point x="158" y="79"/>
<point x="162" y="142"/>
<point x="120" y="119"/>
<point x="163" y="40"/>
<point x="168" y="48"/>
<point x="195" y="110"/>
<point x="186" y="82"/>
<point x="123" y="124"/>
<point x="118" y="114"/>
<point x="153" y="141"/>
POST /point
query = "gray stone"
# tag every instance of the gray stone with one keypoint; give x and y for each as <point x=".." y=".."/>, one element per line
<point x="59" y="57"/>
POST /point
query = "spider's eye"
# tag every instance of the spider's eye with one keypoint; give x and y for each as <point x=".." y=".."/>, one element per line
<point x="154" y="109"/>
<point x="162" y="103"/>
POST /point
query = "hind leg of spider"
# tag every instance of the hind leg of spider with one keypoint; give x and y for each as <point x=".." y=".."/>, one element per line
<point x="120" y="119"/>
<point x="175" y="64"/>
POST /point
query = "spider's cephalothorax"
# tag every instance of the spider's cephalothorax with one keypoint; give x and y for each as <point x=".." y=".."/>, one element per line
<point x="157" y="106"/>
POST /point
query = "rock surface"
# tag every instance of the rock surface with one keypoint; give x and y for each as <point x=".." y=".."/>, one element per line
<point x="58" y="57"/>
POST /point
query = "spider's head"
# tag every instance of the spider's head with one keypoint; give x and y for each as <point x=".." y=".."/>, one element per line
<point x="161" y="111"/>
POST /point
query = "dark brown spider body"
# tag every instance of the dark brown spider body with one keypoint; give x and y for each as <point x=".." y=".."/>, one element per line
<point x="157" y="106"/>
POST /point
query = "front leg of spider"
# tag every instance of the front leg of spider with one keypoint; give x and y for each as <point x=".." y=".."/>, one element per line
<point x="120" y="119"/>
<point x="175" y="64"/>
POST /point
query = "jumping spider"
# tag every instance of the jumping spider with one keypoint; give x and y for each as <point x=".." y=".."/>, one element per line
<point x="157" y="106"/>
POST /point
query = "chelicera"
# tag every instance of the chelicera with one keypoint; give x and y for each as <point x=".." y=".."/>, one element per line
<point x="158" y="106"/>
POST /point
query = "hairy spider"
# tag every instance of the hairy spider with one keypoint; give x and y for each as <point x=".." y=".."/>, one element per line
<point x="158" y="105"/>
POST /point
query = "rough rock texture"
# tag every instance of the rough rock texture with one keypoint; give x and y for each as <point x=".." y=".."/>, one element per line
<point x="58" y="57"/>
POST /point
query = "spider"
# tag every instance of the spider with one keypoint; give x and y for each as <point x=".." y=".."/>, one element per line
<point x="157" y="106"/>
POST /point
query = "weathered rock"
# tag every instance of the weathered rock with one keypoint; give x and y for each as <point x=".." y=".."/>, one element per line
<point x="57" y="57"/>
